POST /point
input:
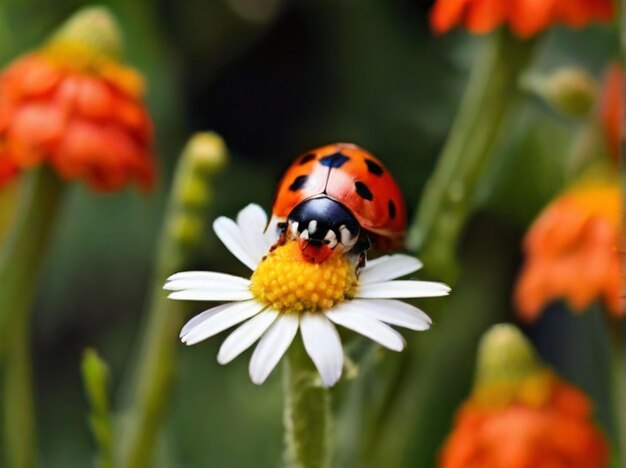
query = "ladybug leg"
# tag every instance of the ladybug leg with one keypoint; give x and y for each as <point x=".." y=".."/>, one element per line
<point x="362" y="246"/>
<point x="282" y="238"/>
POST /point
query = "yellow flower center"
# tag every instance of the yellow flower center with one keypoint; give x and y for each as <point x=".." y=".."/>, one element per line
<point x="288" y="283"/>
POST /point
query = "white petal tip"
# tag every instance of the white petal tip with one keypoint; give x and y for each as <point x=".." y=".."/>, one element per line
<point x="330" y="382"/>
<point x="220" y="220"/>
<point x="258" y="380"/>
<point x="397" y="348"/>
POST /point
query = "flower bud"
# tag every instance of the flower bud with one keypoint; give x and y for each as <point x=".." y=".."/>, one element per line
<point x="206" y="152"/>
<point x="95" y="373"/>
<point x="93" y="28"/>
<point x="508" y="369"/>
<point x="570" y="91"/>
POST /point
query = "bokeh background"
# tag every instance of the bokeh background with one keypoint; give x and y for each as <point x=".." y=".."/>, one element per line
<point x="274" y="79"/>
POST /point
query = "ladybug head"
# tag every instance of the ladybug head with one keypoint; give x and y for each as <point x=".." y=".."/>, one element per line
<point x="321" y="225"/>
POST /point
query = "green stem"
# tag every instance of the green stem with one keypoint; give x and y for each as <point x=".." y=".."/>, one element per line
<point x="308" y="419"/>
<point x="619" y="389"/>
<point x="20" y="265"/>
<point x="451" y="191"/>
<point x="182" y="233"/>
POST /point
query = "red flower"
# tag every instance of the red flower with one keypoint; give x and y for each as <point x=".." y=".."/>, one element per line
<point x="572" y="251"/>
<point x="77" y="109"/>
<point x="612" y="107"/>
<point x="520" y="414"/>
<point x="525" y="17"/>
<point x="557" y="433"/>
<point x="7" y="171"/>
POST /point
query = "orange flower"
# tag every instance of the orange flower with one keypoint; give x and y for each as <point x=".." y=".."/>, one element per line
<point x="572" y="251"/>
<point x="73" y="106"/>
<point x="521" y="415"/>
<point x="525" y="17"/>
<point x="558" y="434"/>
<point x="612" y="107"/>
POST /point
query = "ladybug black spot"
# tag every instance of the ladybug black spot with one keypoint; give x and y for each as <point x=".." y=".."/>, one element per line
<point x="334" y="160"/>
<point x="392" y="209"/>
<point x="298" y="183"/>
<point x="374" y="168"/>
<point x="306" y="158"/>
<point x="363" y="191"/>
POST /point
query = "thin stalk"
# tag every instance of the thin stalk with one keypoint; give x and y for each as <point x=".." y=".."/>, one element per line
<point x="20" y="265"/>
<point x="450" y="193"/>
<point x="182" y="233"/>
<point x="307" y="415"/>
<point x="489" y="101"/>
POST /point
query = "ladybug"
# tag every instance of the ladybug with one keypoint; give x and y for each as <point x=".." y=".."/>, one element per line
<point x="339" y="196"/>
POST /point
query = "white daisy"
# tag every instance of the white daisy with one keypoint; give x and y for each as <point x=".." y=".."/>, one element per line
<point x="285" y="294"/>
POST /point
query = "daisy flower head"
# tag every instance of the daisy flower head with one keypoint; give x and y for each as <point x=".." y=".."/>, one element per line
<point x="285" y="293"/>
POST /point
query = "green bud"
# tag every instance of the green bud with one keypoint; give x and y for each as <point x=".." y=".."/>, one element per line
<point x="94" y="28"/>
<point x="570" y="91"/>
<point x="206" y="152"/>
<point x="96" y="380"/>
<point x="505" y="356"/>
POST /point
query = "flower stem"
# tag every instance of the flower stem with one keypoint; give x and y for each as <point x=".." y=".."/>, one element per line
<point x="307" y="416"/>
<point x="182" y="233"/>
<point x="20" y="265"/>
<point x="450" y="193"/>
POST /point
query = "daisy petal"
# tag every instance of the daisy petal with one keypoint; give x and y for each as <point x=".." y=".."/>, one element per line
<point x="206" y="295"/>
<point x="252" y="222"/>
<point x="388" y="267"/>
<point x="201" y="318"/>
<point x="221" y="320"/>
<point x="395" y="313"/>
<point x="245" y="335"/>
<point x="351" y="316"/>
<point x="207" y="276"/>
<point x="402" y="289"/>
<point x="231" y="284"/>
<point x="272" y="232"/>
<point x="231" y="236"/>
<point x="272" y="346"/>
<point x="323" y="345"/>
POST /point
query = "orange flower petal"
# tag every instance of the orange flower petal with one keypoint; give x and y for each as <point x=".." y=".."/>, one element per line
<point x="525" y="17"/>
<point x="485" y="15"/>
<point x="447" y="14"/>
<point x="94" y="99"/>
<point x="528" y="17"/>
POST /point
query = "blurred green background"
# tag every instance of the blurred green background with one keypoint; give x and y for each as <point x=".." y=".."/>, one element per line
<point x="276" y="78"/>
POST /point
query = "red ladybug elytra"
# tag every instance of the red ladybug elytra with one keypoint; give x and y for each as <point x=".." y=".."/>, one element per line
<point x="339" y="196"/>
